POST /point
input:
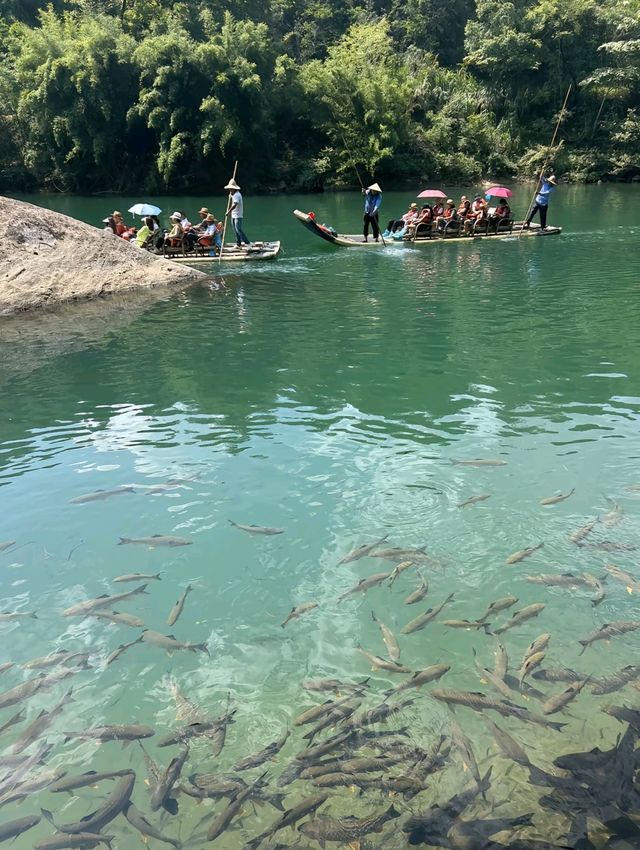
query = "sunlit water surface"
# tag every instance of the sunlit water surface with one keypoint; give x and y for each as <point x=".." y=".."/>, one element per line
<point x="326" y="394"/>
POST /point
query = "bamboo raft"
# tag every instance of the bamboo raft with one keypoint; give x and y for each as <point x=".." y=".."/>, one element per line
<point x="230" y="253"/>
<point x="357" y="241"/>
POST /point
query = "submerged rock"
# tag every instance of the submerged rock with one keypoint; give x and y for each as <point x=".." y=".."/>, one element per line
<point x="47" y="258"/>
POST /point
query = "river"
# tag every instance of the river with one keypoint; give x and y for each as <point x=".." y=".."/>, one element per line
<point x="330" y="394"/>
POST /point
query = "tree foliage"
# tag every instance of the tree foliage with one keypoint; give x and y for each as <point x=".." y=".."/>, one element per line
<point x="167" y="94"/>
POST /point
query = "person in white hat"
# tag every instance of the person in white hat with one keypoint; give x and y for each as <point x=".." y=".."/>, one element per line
<point x="541" y="205"/>
<point x="372" y="201"/>
<point x="236" y="209"/>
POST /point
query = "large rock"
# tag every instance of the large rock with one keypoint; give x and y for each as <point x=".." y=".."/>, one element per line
<point x="47" y="258"/>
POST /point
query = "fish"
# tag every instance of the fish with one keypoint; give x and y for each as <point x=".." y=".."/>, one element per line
<point x="333" y="685"/>
<point x="398" y="555"/>
<point x="521" y="554"/>
<point x="632" y="584"/>
<point x="298" y="611"/>
<point x="508" y="746"/>
<point x="101" y="495"/>
<point x="291" y="816"/>
<point x="609" y="630"/>
<point x="475" y="834"/>
<point x="496" y="606"/>
<point x="473" y="500"/>
<point x="155" y="541"/>
<point x="616" y="681"/>
<point x="185" y="733"/>
<point x="21" y="790"/>
<point x="54" y="659"/>
<point x="365" y="584"/>
<point x="478" y="462"/>
<point x="334" y="743"/>
<point x="83" y="840"/>
<point x="290" y="773"/>
<point x="345" y="830"/>
<point x="39" y="725"/>
<point x="378" y="663"/>
<point x="465" y="624"/>
<point x="597" y="586"/>
<point x="10" y="616"/>
<point x="257" y="529"/>
<point x="479" y="702"/>
<point x="138" y="577"/>
<point x="7" y="665"/>
<point x="120" y="649"/>
<point x="117" y="732"/>
<point x="168" y="778"/>
<point x="22" y="692"/>
<point x="389" y="639"/>
<point x="139" y="821"/>
<point x="501" y="665"/>
<point x="318" y="711"/>
<point x="268" y="753"/>
<point x="580" y="533"/>
<point x="493" y="678"/>
<point x="6" y="544"/>
<point x="218" y="734"/>
<point x="557" y="674"/>
<point x="422" y="620"/>
<point x="14" y="828"/>
<point x="558" y="701"/>
<point x="84" y="780"/>
<point x="614" y="516"/>
<point x="154" y="773"/>
<point x="110" y="809"/>
<point x="520" y="617"/>
<point x="170" y="642"/>
<point x="610" y="546"/>
<point x="463" y="745"/>
<point x="17" y="718"/>
<point x="119" y="619"/>
<point x="421" y="677"/>
<point x="529" y="664"/>
<point x="398" y="569"/>
<point x="332" y="718"/>
<point x="419" y="593"/>
<point x="624" y="715"/>
<point x="554" y="500"/>
<point x="179" y="605"/>
<point x="560" y="580"/>
<point x="362" y="551"/>
<point x="103" y="601"/>
<point x="380" y="714"/>
<point x="537" y="645"/>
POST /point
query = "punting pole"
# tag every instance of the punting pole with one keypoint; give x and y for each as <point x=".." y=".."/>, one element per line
<point x="546" y="162"/>
<point x="226" y="215"/>
<point x="355" y="168"/>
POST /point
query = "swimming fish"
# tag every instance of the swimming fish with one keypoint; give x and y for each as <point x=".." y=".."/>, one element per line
<point x="84" y="780"/>
<point x="139" y="577"/>
<point x="580" y="533"/>
<point x="10" y="616"/>
<point x="103" y="601"/>
<point x="298" y="611"/>
<point x="389" y="639"/>
<point x="179" y="605"/>
<point x="422" y="620"/>
<point x="362" y="551"/>
<point x="345" y="830"/>
<point x="110" y="809"/>
<point x="365" y="584"/>
<point x="419" y="593"/>
<point x="168" y="779"/>
<point x="257" y="529"/>
<point x="521" y="554"/>
<point x="13" y="828"/>
<point x="521" y="617"/>
<point x="117" y="732"/>
<point x="496" y="606"/>
<point x="632" y="584"/>
<point x="171" y="643"/>
<point x="421" y="677"/>
<point x="382" y="664"/>
<point x="156" y="540"/>
<point x="557" y="702"/>
<point x="487" y="461"/>
<point x="100" y="495"/>
<point x="139" y="821"/>
<point x="553" y="500"/>
<point x="118" y="618"/>
<point x="609" y="630"/>
<point x="473" y="500"/>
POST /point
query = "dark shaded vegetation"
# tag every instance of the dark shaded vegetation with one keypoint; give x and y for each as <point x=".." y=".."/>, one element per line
<point x="108" y="95"/>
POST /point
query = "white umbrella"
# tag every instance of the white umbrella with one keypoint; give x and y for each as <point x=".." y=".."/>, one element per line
<point x="145" y="209"/>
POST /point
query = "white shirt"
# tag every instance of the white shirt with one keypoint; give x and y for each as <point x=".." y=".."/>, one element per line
<point x="238" y="210"/>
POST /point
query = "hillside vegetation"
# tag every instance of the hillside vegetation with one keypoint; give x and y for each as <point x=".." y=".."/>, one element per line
<point x="164" y="95"/>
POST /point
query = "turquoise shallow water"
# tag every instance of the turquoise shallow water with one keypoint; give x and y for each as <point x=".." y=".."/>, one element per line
<point x="327" y="394"/>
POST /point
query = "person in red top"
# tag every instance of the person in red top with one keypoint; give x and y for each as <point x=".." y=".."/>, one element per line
<point x="502" y="213"/>
<point x="449" y="215"/>
<point x="478" y="214"/>
<point x="121" y="227"/>
<point x="437" y="209"/>
<point x="424" y="221"/>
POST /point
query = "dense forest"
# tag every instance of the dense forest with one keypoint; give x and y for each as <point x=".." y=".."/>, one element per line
<point x="108" y="95"/>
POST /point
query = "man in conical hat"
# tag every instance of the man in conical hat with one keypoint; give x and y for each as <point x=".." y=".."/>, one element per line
<point x="236" y="210"/>
<point x="372" y="201"/>
<point x="546" y="185"/>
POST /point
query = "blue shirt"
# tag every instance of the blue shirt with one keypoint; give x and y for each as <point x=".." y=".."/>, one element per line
<point x="372" y="201"/>
<point x="542" y="198"/>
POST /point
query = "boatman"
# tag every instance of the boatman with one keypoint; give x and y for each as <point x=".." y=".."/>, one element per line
<point x="541" y="204"/>
<point x="372" y="200"/>
<point x="236" y="209"/>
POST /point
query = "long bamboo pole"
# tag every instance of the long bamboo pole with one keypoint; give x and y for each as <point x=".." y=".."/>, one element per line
<point x="226" y="215"/>
<point x="546" y="162"/>
<point x="355" y="168"/>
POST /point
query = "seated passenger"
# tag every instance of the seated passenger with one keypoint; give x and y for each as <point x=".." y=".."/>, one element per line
<point x="143" y="236"/>
<point x="464" y="207"/>
<point x="478" y="214"/>
<point x="423" y="222"/>
<point x="437" y="209"/>
<point x="449" y="217"/>
<point x="502" y="213"/>
<point x="203" y="212"/>
<point x="121" y="227"/>
<point x="109" y="225"/>
<point x="395" y="225"/>
<point x="211" y="236"/>
<point x="175" y="236"/>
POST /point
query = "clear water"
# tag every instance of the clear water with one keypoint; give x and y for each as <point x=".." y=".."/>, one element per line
<point x="326" y="394"/>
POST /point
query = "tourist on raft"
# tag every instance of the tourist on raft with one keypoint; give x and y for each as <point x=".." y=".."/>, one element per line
<point x="477" y="215"/>
<point x="501" y="213"/>
<point x="145" y="234"/>
<point x="437" y="210"/>
<point x="423" y="222"/>
<point x="408" y="218"/>
<point x="372" y="200"/>
<point x="448" y="217"/>
<point x="174" y="237"/>
<point x="211" y="237"/>
<point x="236" y="210"/>
<point x="541" y="203"/>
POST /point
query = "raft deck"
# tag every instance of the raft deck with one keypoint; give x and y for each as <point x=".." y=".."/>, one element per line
<point x="231" y="253"/>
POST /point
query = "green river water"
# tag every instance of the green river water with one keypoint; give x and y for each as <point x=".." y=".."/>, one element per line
<point x="328" y="394"/>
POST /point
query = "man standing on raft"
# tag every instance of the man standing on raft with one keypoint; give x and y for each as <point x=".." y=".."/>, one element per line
<point x="541" y="204"/>
<point x="236" y="209"/>
<point x="372" y="201"/>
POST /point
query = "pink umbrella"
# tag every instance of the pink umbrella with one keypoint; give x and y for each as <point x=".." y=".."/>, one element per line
<point x="432" y="193"/>
<point x="499" y="192"/>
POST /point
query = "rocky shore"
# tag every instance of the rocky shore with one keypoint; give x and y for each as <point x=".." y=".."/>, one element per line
<point x="48" y="258"/>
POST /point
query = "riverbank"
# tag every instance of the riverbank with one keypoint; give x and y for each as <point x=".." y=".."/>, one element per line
<point x="49" y="258"/>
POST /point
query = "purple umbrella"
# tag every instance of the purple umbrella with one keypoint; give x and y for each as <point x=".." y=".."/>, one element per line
<point x="432" y="193"/>
<point x="499" y="192"/>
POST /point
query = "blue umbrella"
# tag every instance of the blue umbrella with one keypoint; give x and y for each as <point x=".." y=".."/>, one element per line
<point x="145" y="209"/>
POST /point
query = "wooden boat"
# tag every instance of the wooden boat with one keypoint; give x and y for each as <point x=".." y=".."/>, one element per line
<point x="230" y="253"/>
<point x="506" y="230"/>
